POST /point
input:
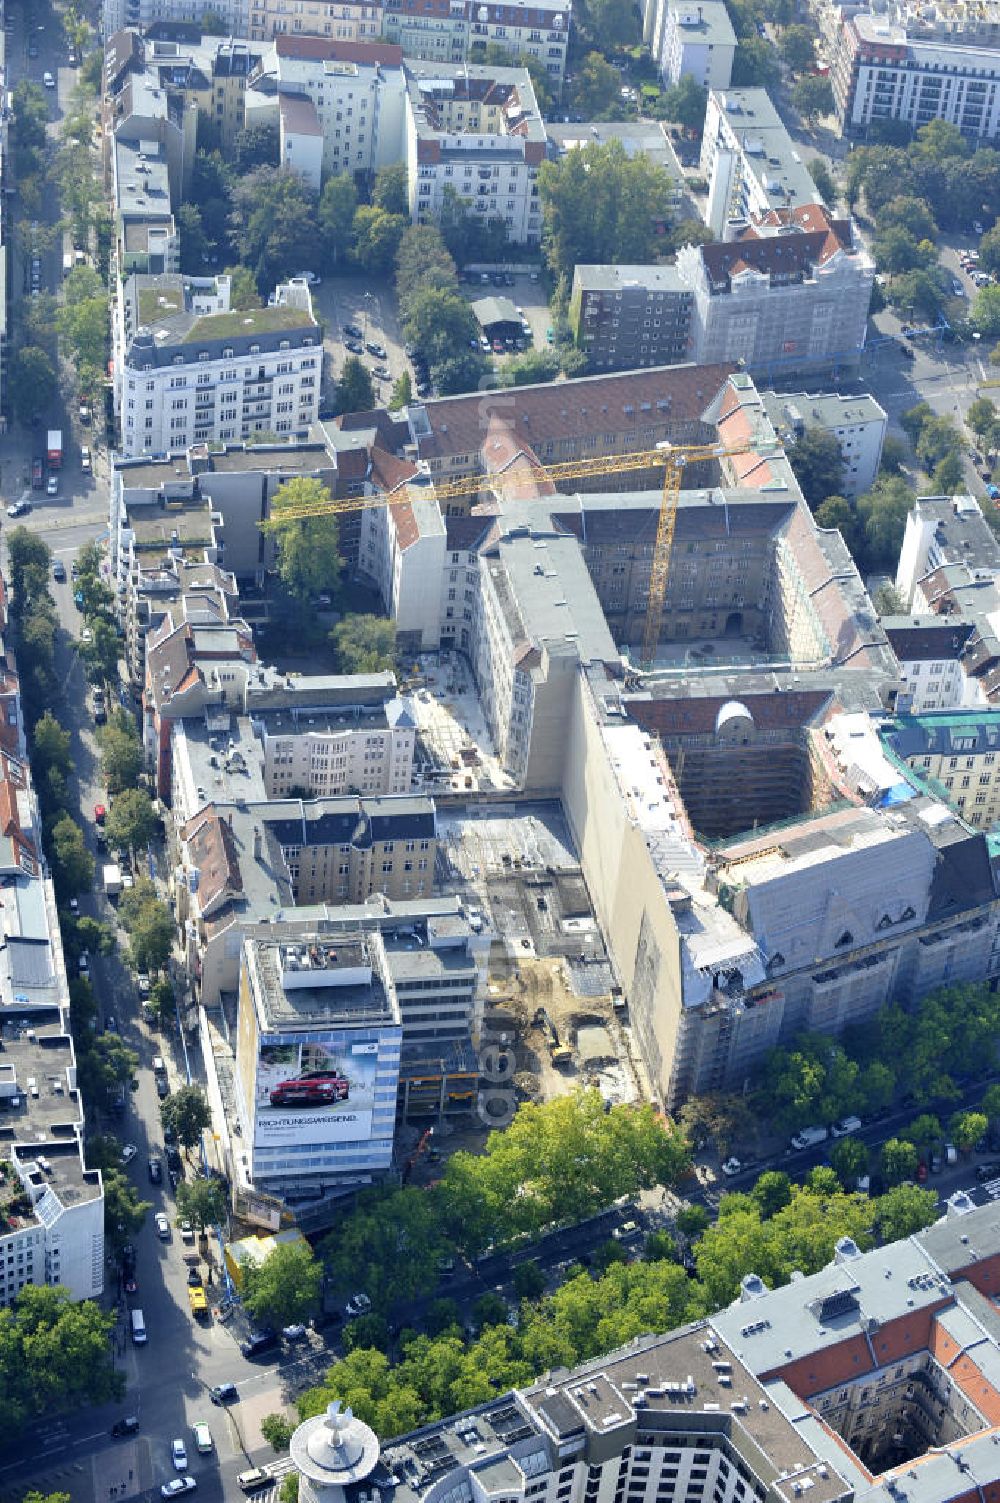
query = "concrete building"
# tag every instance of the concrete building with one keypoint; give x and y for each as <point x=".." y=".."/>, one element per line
<point x="943" y="533"/>
<point x="789" y="294"/>
<point x="857" y="423"/>
<point x="345" y="20"/>
<point x="763" y="1400"/>
<point x="523" y="28"/>
<point x="358" y="748"/>
<point x="624" y="317"/>
<point x="188" y="370"/>
<point x="915" y="64"/>
<point x="954" y="755"/>
<point x="691" y="39"/>
<point x="338" y="105"/>
<point x="52" y="1229"/>
<point x="317" y="1061"/>
<point x="142" y="14"/>
<point x="931" y="651"/>
<point x="476" y="130"/>
<point x="751" y="163"/>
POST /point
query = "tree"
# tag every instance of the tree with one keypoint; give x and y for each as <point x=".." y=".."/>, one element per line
<point x="132" y="820"/>
<point x="277" y="1431"/>
<point x="104" y="1068"/>
<point x="532" y="368"/>
<point x="772" y="1192"/>
<point x="911" y="214"/>
<point x="390" y="190"/>
<point x="402" y="392"/>
<point x="121" y="759"/>
<point x="725" y="1119"/>
<point x="422" y="260"/>
<point x="837" y="513"/>
<point x="490" y="1309"/>
<point x="812" y="96"/>
<point x="72" y="863"/>
<point x="595" y="90"/>
<point x="188" y="1113"/>
<point x="888" y="601"/>
<point x="288" y="1490"/>
<point x="50" y="746"/>
<point x="161" y="1005"/>
<point x="440" y="323"/>
<point x="55" y="1355"/>
<point x="273" y="223"/>
<point x="309" y="558"/>
<point x="364" y="644"/>
<point x="685" y="103"/>
<point x="101" y="653"/>
<point x="985" y="313"/>
<point x="967" y="1128"/>
<point x="660" y="1246"/>
<point x="948" y="475"/>
<point x="286" y="1287"/>
<point x="611" y="24"/>
<point x="924" y="1131"/>
<point x="899" y="1161"/>
<point x="600" y="205"/>
<point x="376" y="237"/>
<point x="818" y="464"/>
<point x="919" y="293"/>
<point x="989" y="250"/>
<point x="849" y="1159"/>
<point x="124" y="1212"/>
<point x="255" y="146"/>
<point x="194" y="241"/>
<point x="981" y="416"/>
<point x="823" y="178"/>
<point x="398" y="1238"/>
<point x="903" y="1210"/>
<point x="797" y="48"/>
<point x="528" y="1280"/>
<point x="755" y="64"/>
<point x="466" y="371"/>
<point x="692" y="1220"/>
<point x="151" y="934"/>
<point x="337" y="206"/>
<point x="203" y="1202"/>
<point x="883" y="511"/>
<point x="939" y="436"/>
<point x="368" y="1330"/>
<point x="33" y="383"/>
<point x="355" y="392"/>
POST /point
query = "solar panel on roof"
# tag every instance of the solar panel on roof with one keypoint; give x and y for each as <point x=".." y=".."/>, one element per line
<point x="839" y="1303"/>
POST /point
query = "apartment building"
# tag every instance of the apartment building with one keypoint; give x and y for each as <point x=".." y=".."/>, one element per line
<point x="52" y="1226"/>
<point x="857" y="423"/>
<point x="691" y="40"/>
<point x="116" y="15"/>
<point x="188" y="370"/>
<point x="955" y="754"/>
<point x="840" y="1385"/>
<point x="932" y="651"/>
<point x="477" y="131"/>
<point x="916" y="64"/>
<point x="749" y="160"/>
<point x="344" y="20"/>
<point x="790" y="294"/>
<point x="360" y="748"/>
<point x="339" y="106"/>
<point x="624" y="317"/>
<point x="944" y="534"/>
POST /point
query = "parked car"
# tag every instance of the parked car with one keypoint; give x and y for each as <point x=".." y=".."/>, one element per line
<point x="374" y="348"/>
<point x="732" y="1166"/>
<point x="48" y="80"/>
<point x="354" y="346"/>
<point x="19" y="508"/>
<point x="187" y="1231"/>
<point x="162" y="1226"/>
<point x="155" y="1171"/>
<point x="259" y="1342"/>
<point x="353" y="331"/>
<point x="809" y="1137"/>
<point x="52" y="485"/>
<point x="294" y="1333"/>
<point x="85" y="460"/>
<point x="59" y="571"/>
<point x="845" y="1126"/>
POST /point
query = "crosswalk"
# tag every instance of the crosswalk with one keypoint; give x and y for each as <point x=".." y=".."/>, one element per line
<point x="991" y="1188"/>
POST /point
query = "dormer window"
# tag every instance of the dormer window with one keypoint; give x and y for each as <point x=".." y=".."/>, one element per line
<point x="227" y="353"/>
<point x="178" y="359"/>
<point x="255" y="349"/>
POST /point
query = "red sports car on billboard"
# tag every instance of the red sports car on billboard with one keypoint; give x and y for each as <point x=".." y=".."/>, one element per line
<point x="317" y="1088"/>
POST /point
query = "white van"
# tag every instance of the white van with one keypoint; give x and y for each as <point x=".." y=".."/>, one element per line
<point x="809" y="1137"/>
<point x="138" y="1328"/>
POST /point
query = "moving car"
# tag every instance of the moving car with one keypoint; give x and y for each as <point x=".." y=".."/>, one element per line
<point x="314" y="1089"/>
<point x="255" y="1478"/>
<point x="224" y="1393"/>
<point x="59" y="571"/>
<point x="127" y="1426"/>
<point x="100" y="813"/>
<point x="48" y="80"/>
<point x="957" y="287"/>
<point x="202" y="1437"/>
<point x="19" y="508"/>
<point x="178" y="1454"/>
<point x="845" y="1126"/>
<point x="162" y="1226"/>
<point x="129" y="1152"/>
<point x="155" y="1171"/>
<point x="178" y="1485"/>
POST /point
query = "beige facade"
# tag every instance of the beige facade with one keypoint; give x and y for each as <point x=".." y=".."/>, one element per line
<point x="324" y="755"/>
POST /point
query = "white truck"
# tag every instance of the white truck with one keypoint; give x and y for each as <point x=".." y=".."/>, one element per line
<point x="112" y="879"/>
<point x="809" y="1137"/>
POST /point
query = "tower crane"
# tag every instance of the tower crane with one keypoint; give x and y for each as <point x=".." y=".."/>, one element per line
<point x="672" y="459"/>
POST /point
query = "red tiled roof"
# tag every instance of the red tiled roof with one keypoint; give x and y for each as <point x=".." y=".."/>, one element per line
<point x="792" y="710"/>
<point x="388" y="472"/>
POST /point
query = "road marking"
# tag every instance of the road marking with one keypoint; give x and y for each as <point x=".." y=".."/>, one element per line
<point x="84" y="1438"/>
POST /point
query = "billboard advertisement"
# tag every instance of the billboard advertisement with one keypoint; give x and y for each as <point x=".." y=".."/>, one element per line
<point x="314" y="1093"/>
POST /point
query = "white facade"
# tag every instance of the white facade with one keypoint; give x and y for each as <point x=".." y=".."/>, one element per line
<point x="749" y="160"/>
<point x="906" y="68"/>
<point x="403" y="552"/>
<point x="857" y="423"/>
<point x="943" y="530"/>
<point x="117" y="14"/>
<point x="691" y="40"/>
<point x="477" y="132"/>
<point x="330" y="754"/>
<point x="63" y="1241"/>
<point x="357" y="99"/>
<point x="939" y="684"/>
<point x="184" y="376"/>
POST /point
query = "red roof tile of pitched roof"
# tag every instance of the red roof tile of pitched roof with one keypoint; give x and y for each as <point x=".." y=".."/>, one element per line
<point x="334" y="50"/>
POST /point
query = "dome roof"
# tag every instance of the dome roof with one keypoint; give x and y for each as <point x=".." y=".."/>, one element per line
<point x="334" y="1448"/>
<point x="732" y="711"/>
